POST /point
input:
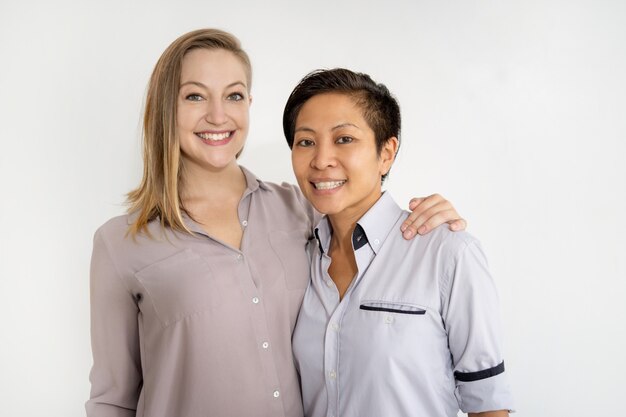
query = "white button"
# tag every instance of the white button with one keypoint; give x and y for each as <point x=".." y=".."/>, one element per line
<point x="244" y="223"/>
<point x="329" y="282"/>
<point x="255" y="300"/>
<point x="334" y="326"/>
<point x="376" y="241"/>
<point x="265" y="345"/>
<point x="332" y="374"/>
<point x="239" y="257"/>
<point x="276" y="394"/>
<point x="388" y="319"/>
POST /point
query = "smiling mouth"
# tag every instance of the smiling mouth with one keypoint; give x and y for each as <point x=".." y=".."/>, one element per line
<point x="328" y="185"/>
<point x="214" y="137"/>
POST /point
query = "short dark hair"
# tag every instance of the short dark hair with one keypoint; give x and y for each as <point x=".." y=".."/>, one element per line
<point x="380" y="108"/>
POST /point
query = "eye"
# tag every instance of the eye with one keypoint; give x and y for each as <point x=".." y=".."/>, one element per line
<point x="194" y="97"/>
<point x="305" y="143"/>
<point x="235" y="97"/>
<point x="344" y="139"/>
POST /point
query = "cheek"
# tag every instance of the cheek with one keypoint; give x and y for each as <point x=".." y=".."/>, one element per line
<point x="368" y="164"/>
<point x="242" y="116"/>
<point x="185" y="117"/>
<point x="298" y="165"/>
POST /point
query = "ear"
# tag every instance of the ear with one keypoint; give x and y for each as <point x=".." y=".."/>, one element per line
<point x="388" y="154"/>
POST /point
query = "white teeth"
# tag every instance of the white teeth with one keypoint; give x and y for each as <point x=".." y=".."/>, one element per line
<point x="213" y="136"/>
<point x="328" y="185"/>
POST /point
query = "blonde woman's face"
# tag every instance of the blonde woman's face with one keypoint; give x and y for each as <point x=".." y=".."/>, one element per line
<point x="213" y="108"/>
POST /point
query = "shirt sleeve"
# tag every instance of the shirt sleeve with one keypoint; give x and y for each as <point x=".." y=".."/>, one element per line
<point x="471" y="316"/>
<point x="116" y="375"/>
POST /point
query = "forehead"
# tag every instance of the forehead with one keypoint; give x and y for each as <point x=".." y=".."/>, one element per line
<point x="330" y="108"/>
<point x="212" y="67"/>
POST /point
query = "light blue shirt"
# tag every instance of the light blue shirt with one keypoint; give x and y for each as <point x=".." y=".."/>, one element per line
<point x="416" y="334"/>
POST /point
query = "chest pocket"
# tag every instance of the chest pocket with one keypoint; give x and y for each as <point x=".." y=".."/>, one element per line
<point x="291" y="249"/>
<point x="396" y="308"/>
<point x="405" y="316"/>
<point x="179" y="286"/>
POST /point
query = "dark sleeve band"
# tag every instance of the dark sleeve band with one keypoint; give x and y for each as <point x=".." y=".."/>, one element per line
<point x="478" y="375"/>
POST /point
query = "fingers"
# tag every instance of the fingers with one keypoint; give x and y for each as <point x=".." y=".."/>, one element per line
<point x="415" y="202"/>
<point x="428" y="213"/>
<point x="434" y="216"/>
<point x="457" y="225"/>
<point x="418" y="207"/>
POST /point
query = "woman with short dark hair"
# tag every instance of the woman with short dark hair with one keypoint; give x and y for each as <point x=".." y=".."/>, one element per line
<point x="387" y="326"/>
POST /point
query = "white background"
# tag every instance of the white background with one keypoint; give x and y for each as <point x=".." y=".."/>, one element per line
<point x="514" y="110"/>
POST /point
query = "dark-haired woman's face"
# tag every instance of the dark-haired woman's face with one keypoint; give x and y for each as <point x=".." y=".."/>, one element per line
<point x="334" y="156"/>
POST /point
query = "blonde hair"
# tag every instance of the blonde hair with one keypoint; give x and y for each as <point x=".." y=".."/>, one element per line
<point x="158" y="195"/>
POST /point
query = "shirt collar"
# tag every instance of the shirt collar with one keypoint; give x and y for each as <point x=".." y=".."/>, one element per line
<point x="374" y="226"/>
<point x="253" y="183"/>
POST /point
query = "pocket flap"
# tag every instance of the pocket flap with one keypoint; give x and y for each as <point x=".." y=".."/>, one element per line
<point x="391" y="307"/>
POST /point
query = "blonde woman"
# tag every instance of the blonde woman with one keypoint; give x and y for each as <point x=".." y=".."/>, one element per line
<point x="195" y="292"/>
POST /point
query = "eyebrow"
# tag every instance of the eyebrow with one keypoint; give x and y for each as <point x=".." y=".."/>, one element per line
<point x="339" y="126"/>
<point x="199" y="84"/>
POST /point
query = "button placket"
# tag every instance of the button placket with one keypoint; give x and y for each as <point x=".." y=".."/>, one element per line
<point x="331" y="354"/>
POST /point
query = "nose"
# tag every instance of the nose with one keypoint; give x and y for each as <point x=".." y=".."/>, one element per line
<point x="215" y="112"/>
<point x="324" y="156"/>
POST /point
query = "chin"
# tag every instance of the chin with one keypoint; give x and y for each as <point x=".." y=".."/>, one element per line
<point x="222" y="161"/>
<point x="325" y="208"/>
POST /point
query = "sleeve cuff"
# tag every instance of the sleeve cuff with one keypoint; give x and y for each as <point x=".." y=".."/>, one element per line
<point x="487" y="394"/>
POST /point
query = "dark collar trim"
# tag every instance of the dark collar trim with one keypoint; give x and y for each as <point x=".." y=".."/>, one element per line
<point x="359" y="238"/>
<point x="319" y="241"/>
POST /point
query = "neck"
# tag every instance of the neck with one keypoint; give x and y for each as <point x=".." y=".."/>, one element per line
<point x="201" y="185"/>
<point x="344" y="222"/>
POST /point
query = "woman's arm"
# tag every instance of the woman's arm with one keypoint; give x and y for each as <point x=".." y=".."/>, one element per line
<point x="426" y="214"/>
<point x="116" y="375"/>
<point x="470" y="312"/>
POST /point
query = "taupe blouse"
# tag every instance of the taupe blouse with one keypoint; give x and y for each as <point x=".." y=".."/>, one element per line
<point x="188" y="326"/>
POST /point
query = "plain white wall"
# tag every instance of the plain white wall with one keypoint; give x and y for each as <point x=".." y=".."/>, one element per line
<point x="514" y="110"/>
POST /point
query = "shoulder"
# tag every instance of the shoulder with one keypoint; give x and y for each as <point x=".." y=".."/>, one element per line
<point x="282" y="196"/>
<point x="451" y="243"/>
<point x="114" y="233"/>
<point x="444" y="249"/>
<point x="269" y="189"/>
<point x="114" y="227"/>
<point x="287" y="200"/>
<point x="461" y="259"/>
<point x="283" y="190"/>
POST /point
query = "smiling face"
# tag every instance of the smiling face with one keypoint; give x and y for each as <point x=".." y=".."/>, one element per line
<point x="213" y="109"/>
<point x="334" y="156"/>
